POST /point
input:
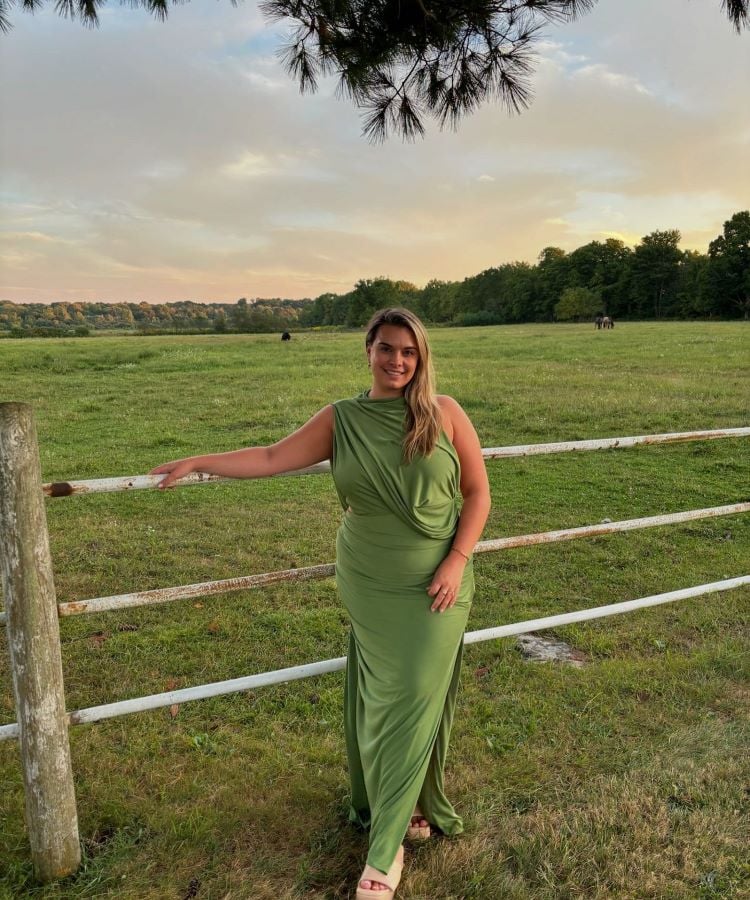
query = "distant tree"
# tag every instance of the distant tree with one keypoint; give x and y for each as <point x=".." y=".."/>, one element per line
<point x="552" y="276"/>
<point x="144" y="312"/>
<point x="584" y="264"/>
<point x="729" y="267"/>
<point x="163" y="314"/>
<point x="578" y="304"/>
<point x="693" y="300"/>
<point x="241" y="316"/>
<point x="371" y="294"/>
<point x="339" y="309"/>
<point x="502" y="294"/>
<point x="604" y="268"/>
<point x="261" y="320"/>
<point x="319" y="311"/>
<point x="125" y="315"/>
<point x="402" y="60"/>
<point x="655" y="274"/>
<point x="614" y="275"/>
<point x="10" y="316"/>
<point x="438" y="299"/>
<point x="60" y="313"/>
<point x="78" y="314"/>
<point x="362" y="302"/>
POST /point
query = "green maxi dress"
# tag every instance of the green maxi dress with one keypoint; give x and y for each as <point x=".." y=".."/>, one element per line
<point x="404" y="660"/>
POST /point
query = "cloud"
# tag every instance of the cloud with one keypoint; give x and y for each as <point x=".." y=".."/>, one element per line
<point x="602" y="73"/>
<point x="248" y="165"/>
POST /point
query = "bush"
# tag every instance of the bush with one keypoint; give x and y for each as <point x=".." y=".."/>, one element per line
<point x="481" y="317"/>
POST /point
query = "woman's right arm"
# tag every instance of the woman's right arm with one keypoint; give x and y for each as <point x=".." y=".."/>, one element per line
<point x="310" y="444"/>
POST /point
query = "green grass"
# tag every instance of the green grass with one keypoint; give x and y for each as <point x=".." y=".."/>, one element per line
<point x="626" y="778"/>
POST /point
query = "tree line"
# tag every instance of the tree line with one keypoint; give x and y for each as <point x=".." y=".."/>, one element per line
<point x="653" y="280"/>
<point x="80" y="319"/>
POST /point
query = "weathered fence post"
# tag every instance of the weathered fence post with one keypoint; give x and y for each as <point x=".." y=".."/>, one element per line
<point x="34" y="640"/>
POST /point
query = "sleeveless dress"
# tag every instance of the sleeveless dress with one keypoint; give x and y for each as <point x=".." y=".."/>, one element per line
<point x="404" y="660"/>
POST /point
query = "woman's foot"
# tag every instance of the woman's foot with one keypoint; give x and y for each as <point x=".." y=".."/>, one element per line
<point x="369" y="884"/>
<point x="419" y="827"/>
<point x="377" y="886"/>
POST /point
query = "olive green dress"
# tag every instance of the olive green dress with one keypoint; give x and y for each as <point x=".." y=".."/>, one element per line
<point x="404" y="660"/>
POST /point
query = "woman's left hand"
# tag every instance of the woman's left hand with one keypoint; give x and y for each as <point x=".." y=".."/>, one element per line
<point x="446" y="582"/>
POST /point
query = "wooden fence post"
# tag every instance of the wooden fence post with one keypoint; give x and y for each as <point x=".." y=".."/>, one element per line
<point x="34" y="641"/>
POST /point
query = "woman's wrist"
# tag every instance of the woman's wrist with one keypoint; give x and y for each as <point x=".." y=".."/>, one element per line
<point x="460" y="553"/>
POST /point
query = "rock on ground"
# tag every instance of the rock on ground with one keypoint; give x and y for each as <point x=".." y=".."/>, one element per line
<point x="547" y="649"/>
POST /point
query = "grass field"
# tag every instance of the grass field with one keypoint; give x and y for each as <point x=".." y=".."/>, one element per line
<point x="627" y="778"/>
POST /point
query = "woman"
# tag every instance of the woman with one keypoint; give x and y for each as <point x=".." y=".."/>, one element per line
<point x="405" y="463"/>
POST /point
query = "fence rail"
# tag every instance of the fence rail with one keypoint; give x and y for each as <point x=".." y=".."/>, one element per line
<point x="141" y="482"/>
<point x="326" y="570"/>
<point x="294" y="673"/>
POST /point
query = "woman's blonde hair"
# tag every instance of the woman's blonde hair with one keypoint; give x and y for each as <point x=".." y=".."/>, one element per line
<point x="423" y="419"/>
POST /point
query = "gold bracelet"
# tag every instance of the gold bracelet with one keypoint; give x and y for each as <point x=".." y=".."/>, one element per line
<point x="461" y="552"/>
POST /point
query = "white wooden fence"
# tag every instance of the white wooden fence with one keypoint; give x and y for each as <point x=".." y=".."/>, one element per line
<point x="32" y="612"/>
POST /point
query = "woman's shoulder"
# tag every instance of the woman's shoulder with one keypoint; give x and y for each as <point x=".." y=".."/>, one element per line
<point x="448" y="408"/>
<point x="455" y="418"/>
<point x="444" y="401"/>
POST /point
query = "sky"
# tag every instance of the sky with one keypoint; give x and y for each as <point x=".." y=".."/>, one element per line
<point x="178" y="161"/>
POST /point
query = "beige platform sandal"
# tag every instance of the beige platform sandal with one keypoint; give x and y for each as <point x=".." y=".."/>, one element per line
<point x="391" y="879"/>
<point x="418" y="833"/>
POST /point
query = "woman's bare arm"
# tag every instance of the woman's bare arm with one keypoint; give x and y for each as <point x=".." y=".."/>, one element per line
<point x="475" y="486"/>
<point x="475" y="490"/>
<point x="310" y="444"/>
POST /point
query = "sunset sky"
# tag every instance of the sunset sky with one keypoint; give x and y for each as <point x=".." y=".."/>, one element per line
<point x="177" y="161"/>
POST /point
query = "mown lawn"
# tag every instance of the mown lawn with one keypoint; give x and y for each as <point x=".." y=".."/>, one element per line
<point x="627" y="778"/>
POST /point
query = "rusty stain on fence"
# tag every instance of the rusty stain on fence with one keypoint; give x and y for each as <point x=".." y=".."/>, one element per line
<point x="59" y="489"/>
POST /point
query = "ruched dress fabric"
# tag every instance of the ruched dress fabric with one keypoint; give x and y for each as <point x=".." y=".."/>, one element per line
<point x="404" y="660"/>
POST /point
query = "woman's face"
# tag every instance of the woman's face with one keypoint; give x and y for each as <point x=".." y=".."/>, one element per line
<point x="394" y="358"/>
